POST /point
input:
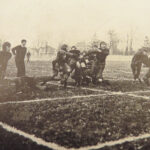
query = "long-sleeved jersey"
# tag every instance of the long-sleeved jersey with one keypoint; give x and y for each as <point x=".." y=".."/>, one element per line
<point x="101" y="54"/>
<point x="20" y="52"/>
<point x="62" y="56"/>
<point x="140" y="57"/>
<point x="75" y="54"/>
<point x="4" y="58"/>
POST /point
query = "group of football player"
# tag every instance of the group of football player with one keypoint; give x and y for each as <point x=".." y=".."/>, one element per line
<point x="88" y="66"/>
<point x="83" y="67"/>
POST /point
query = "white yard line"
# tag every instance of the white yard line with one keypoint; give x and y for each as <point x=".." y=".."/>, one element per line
<point x="106" y="93"/>
<point x="52" y="99"/>
<point x="110" y="92"/>
<point x="139" y="96"/>
<point x="31" y="137"/>
<point x="54" y="146"/>
<point x="113" y="143"/>
<point x="140" y="91"/>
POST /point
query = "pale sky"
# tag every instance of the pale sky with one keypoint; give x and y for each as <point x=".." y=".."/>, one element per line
<point x="70" y="21"/>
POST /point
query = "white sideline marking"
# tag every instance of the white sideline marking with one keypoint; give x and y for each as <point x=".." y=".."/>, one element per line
<point x="54" y="146"/>
<point x="139" y="96"/>
<point x="106" y="93"/>
<point x="52" y="99"/>
<point x="75" y="97"/>
<point x="140" y="91"/>
<point x="112" y="93"/>
<point x="113" y="143"/>
<point x="39" y="141"/>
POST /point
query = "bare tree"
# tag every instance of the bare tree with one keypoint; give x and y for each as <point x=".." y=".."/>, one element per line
<point x="127" y="48"/>
<point x="114" y="41"/>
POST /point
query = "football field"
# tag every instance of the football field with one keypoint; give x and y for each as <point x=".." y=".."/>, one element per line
<point x="110" y="117"/>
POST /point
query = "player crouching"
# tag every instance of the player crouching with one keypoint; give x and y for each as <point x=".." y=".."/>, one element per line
<point x="60" y="64"/>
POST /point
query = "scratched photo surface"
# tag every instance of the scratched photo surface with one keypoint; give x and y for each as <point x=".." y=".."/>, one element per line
<point x="74" y="75"/>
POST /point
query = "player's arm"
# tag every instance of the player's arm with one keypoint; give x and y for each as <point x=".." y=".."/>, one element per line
<point x="145" y="60"/>
<point x="91" y="52"/>
<point x="69" y="54"/>
<point x="106" y="52"/>
<point x="14" y="50"/>
<point x="9" y="55"/>
<point x="1" y="57"/>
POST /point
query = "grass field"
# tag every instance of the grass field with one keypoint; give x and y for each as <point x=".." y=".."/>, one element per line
<point x="112" y="117"/>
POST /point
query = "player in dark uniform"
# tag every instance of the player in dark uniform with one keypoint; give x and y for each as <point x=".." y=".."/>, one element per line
<point x="5" y="55"/>
<point x="74" y="57"/>
<point x="20" y="52"/>
<point x="60" y="64"/>
<point x="141" y="57"/>
<point x="147" y="75"/>
<point x="74" y="65"/>
<point x="99" y="62"/>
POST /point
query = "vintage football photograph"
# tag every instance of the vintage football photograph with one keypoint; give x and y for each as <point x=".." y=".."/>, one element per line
<point x="74" y="75"/>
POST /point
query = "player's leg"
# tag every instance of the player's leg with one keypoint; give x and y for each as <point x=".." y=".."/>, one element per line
<point x="139" y="66"/>
<point x="94" y="70"/>
<point x="100" y="72"/>
<point x="23" y="69"/>
<point x="133" y="68"/>
<point x="72" y="64"/>
<point x="146" y="77"/>
<point x="136" y="70"/>
<point x="55" y="67"/>
<point x="66" y="70"/>
<point x="2" y="74"/>
<point x="18" y="67"/>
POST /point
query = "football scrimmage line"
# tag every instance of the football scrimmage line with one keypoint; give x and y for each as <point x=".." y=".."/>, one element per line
<point x="54" y="146"/>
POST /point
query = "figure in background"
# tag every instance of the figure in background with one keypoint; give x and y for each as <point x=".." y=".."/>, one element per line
<point x="28" y="56"/>
<point x="5" y="55"/>
<point x="20" y="52"/>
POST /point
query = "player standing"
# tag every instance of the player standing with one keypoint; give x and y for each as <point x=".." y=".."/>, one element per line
<point x="5" y="55"/>
<point x="20" y="52"/>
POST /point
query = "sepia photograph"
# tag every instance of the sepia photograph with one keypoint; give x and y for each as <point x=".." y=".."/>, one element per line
<point x="74" y="75"/>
